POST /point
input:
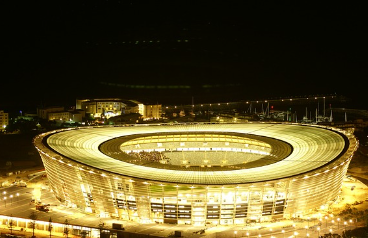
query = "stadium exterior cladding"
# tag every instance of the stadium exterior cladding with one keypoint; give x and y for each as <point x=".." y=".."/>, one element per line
<point x="91" y="169"/>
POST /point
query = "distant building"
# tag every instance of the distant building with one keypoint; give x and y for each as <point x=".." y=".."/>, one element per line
<point x="71" y="116"/>
<point x="152" y="112"/>
<point x="4" y="120"/>
<point x="62" y="116"/>
<point x="77" y="115"/>
<point x="148" y="111"/>
<point x="98" y="108"/>
<point x="43" y="113"/>
<point x="133" y="106"/>
<point x="111" y="107"/>
<point x="58" y="113"/>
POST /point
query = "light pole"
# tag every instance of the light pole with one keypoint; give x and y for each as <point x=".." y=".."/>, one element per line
<point x="17" y="196"/>
<point x="283" y="233"/>
<point x="295" y="233"/>
<point x="247" y="234"/>
<point x="11" y="197"/>
<point x="338" y="223"/>
<point x="318" y="229"/>
<point x="306" y="229"/>
<point x="345" y="225"/>
<point x="308" y="220"/>
<point x="333" y="222"/>
<point x="235" y="232"/>
<point x="5" y="201"/>
<point x="326" y="217"/>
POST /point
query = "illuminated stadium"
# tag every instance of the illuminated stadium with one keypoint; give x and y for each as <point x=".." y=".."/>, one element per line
<point x="197" y="173"/>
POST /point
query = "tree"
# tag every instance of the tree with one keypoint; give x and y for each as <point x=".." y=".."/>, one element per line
<point x="33" y="216"/>
<point x="50" y="226"/>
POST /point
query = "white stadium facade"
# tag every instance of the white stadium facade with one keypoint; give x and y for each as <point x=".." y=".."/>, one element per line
<point x="197" y="173"/>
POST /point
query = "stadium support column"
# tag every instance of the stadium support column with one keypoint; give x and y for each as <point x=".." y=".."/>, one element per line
<point x="142" y="201"/>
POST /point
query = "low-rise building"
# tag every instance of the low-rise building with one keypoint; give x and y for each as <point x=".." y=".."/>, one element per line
<point x="111" y="107"/>
<point x="101" y="108"/>
<point x="4" y="120"/>
<point x="71" y="116"/>
<point x="148" y="111"/>
<point x="43" y="112"/>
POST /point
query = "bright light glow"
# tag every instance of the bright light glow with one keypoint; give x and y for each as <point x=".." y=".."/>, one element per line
<point x="209" y="179"/>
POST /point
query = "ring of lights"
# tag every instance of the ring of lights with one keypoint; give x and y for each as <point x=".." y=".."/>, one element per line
<point x="248" y="171"/>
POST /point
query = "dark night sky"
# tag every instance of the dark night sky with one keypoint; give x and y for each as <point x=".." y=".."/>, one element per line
<point x="214" y="51"/>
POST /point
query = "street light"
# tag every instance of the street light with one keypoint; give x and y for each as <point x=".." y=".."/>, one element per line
<point x="295" y="233"/>
<point x="283" y="232"/>
<point x="333" y="222"/>
<point x="247" y="234"/>
<point x="11" y="197"/>
<point x="326" y="217"/>
<point x="338" y="223"/>
<point x="5" y="201"/>
<point x="318" y="229"/>
<point x="308" y="220"/>
<point x="235" y="232"/>
<point x="306" y="229"/>
<point x="345" y="225"/>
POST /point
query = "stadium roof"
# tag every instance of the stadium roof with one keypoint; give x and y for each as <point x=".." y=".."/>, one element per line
<point x="314" y="149"/>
